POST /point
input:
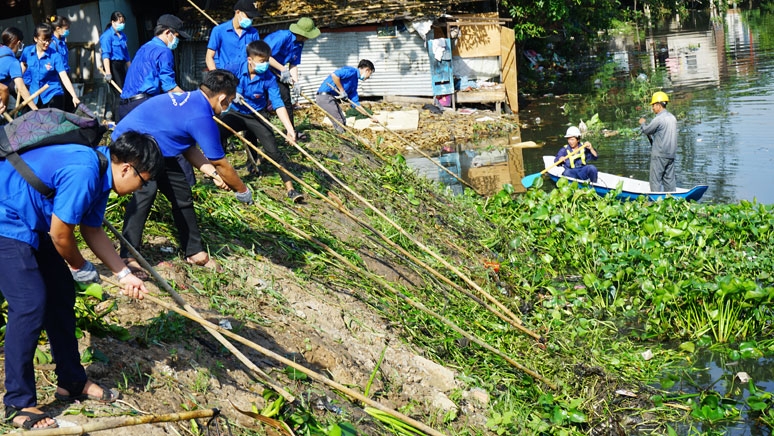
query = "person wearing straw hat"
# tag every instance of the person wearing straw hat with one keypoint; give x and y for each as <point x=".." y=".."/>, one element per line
<point x="152" y="71"/>
<point x="286" y="47"/>
<point x="577" y="166"/>
<point x="257" y="88"/>
<point x="38" y="242"/>
<point x="229" y="40"/>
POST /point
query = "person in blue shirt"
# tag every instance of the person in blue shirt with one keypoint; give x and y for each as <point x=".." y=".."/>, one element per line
<point x="286" y="47"/>
<point x="42" y="65"/>
<point x="577" y="166"/>
<point x="10" y="68"/>
<point x="115" y="55"/>
<point x="152" y="71"/>
<point x="229" y="40"/>
<point x="37" y="243"/>
<point x="61" y="27"/>
<point x="257" y="88"/>
<point x="341" y="85"/>
<point x="180" y="121"/>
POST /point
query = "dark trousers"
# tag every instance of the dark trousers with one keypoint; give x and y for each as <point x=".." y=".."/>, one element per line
<point x="256" y="130"/>
<point x="173" y="184"/>
<point x="118" y="70"/>
<point x="124" y="107"/>
<point x="58" y="102"/>
<point x="284" y="89"/>
<point x="41" y="295"/>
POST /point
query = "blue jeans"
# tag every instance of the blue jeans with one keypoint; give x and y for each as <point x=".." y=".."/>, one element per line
<point x="41" y="295"/>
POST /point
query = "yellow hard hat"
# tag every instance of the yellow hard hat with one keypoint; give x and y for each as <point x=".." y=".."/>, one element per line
<point x="659" y="97"/>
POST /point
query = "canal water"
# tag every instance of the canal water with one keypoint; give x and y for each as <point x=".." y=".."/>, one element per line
<point x="720" y="79"/>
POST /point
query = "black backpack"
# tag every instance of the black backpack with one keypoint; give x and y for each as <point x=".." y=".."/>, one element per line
<point x="45" y="127"/>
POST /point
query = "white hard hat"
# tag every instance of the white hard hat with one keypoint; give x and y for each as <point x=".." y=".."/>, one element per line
<point x="572" y="132"/>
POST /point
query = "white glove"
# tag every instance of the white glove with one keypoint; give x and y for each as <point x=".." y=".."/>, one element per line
<point x="239" y="99"/>
<point x="285" y="77"/>
<point x="86" y="274"/>
<point x="245" y="197"/>
<point x="297" y="90"/>
<point x="343" y="96"/>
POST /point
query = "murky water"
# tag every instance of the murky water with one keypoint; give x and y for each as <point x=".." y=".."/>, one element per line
<point x="721" y="86"/>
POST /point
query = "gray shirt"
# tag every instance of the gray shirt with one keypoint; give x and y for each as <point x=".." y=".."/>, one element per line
<point x="663" y="129"/>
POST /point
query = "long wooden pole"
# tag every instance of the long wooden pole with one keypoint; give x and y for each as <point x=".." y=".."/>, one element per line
<point x="179" y="300"/>
<point x="121" y="421"/>
<point x="313" y="375"/>
<point x="203" y="13"/>
<point x="30" y="99"/>
<point x="514" y="319"/>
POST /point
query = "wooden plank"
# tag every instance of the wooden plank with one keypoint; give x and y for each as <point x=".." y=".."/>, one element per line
<point x="478" y="40"/>
<point x="508" y="66"/>
<point x="482" y="95"/>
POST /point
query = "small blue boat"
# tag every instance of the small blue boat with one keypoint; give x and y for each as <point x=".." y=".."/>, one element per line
<point x="632" y="189"/>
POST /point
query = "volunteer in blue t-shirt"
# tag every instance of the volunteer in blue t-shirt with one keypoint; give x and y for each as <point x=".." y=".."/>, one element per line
<point x="286" y="47"/>
<point x="10" y="68"/>
<point x="115" y="55"/>
<point x="61" y="27"/>
<point x="180" y="121"/>
<point x="42" y="65"/>
<point x="258" y="87"/>
<point x="152" y="71"/>
<point x="37" y="243"/>
<point x="229" y="40"/>
<point x="341" y="85"/>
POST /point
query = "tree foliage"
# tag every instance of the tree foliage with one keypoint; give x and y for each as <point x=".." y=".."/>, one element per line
<point x="568" y="18"/>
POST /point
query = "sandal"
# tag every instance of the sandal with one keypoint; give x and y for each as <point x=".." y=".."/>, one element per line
<point x="32" y="418"/>
<point x="108" y="395"/>
<point x="136" y="269"/>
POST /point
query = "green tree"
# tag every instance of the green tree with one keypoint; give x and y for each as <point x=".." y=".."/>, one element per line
<point x="568" y="18"/>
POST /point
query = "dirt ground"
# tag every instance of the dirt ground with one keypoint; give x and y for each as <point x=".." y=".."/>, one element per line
<point x="330" y="331"/>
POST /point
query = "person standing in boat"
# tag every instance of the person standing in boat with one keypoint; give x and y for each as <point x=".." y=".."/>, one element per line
<point x="662" y="133"/>
<point x="576" y="166"/>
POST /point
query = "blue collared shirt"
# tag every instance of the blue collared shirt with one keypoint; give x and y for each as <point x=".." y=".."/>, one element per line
<point x="349" y="80"/>
<point x="229" y="47"/>
<point x="9" y="66"/>
<point x="256" y="89"/>
<point x="152" y="71"/>
<point x="285" y="48"/>
<point x="81" y="191"/>
<point x="177" y="121"/>
<point x="60" y="45"/>
<point x="41" y="71"/>
<point x="113" y="45"/>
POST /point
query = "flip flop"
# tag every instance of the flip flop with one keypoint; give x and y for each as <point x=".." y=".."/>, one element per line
<point x="108" y="395"/>
<point x="136" y="269"/>
<point x="33" y="418"/>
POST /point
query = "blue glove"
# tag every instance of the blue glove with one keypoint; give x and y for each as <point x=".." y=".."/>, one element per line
<point x="285" y="77"/>
<point x="87" y="274"/>
<point x="245" y="197"/>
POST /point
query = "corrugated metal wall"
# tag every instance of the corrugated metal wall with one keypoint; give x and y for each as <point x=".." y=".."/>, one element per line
<point x="402" y="65"/>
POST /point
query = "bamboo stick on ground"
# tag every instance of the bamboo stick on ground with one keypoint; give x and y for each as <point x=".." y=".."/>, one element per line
<point x="179" y="300"/>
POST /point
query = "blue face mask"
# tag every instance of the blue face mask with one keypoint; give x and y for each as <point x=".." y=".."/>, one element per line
<point x="261" y="68"/>
<point x="65" y="33"/>
<point x="119" y="27"/>
<point x="245" y="23"/>
<point x="360" y="76"/>
<point x="173" y="45"/>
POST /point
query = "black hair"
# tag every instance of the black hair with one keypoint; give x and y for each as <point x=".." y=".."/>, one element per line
<point x="115" y="16"/>
<point x="365" y="63"/>
<point x="219" y="82"/>
<point x="139" y="149"/>
<point x="160" y="28"/>
<point x="43" y="31"/>
<point x="59" y="21"/>
<point x="11" y="35"/>
<point x="259" y="48"/>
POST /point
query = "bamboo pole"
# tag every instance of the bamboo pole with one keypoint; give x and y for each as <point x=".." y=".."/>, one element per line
<point x="30" y="99"/>
<point x="203" y="13"/>
<point x="417" y="305"/>
<point x="121" y="421"/>
<point x="313" y="375"/>
<point x="511" y="319"/>
<point x="413" y="145"/>
<point x="179" y="300"/>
